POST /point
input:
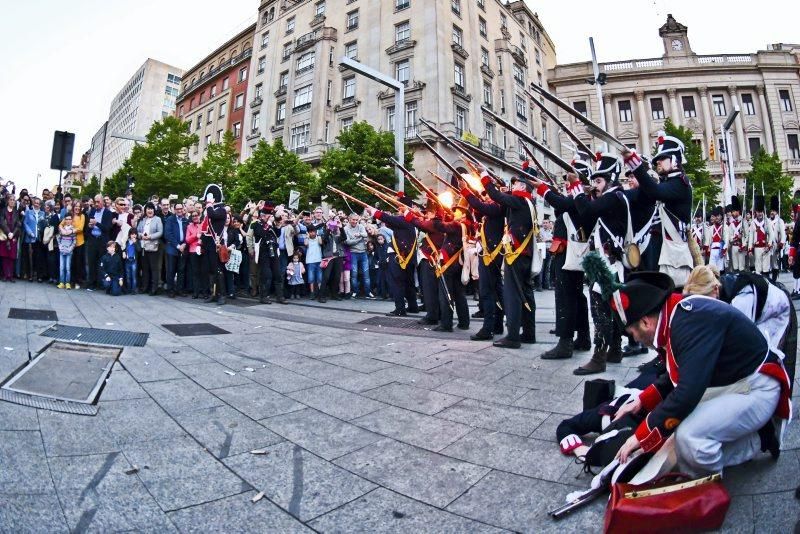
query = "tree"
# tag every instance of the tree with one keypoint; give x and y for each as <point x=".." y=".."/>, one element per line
<point x="362" y="151"/>
<point x="695" y="166"/>
<point x="161" y="166"/>
<point x="92" y="188"/>
<point x="270" y="173"/>
<point x="767" y="172"/>
<point x="116" y="185"/>
<point x="220" y="164"/>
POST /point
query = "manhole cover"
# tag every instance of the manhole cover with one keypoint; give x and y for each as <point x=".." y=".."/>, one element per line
<point x="42" y="403"/>
<point x="119" y="338"/>
<point x="65" y="371"/>
<point x="195" y="329"/>
<point x="32" y="315"/>
<point x="395" y="322"/>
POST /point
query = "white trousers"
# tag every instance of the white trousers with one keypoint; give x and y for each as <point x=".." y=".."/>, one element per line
<point x="716" y="258"/>
<point x="723" y="431"/>
<point x="775" y="260"/>
<point x="737" y="258"/>
<point x="761" y="259"/>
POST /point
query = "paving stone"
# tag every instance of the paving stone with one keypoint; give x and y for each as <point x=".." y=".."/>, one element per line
<point x="179" y="473"/>
<point x="236" y="514"/>
<point x="427" y="363"/>
<point x="147" y="366"/>
<point x="120" y="385"/>
<point x="256" y="401"/>
<point x="515" y="454"/>
<point x="413" y="428"/>
<point x="415" y="377"/>
<point x="225" y="432"/>
<point x="491" y="416"/>
<point x="739" y="518"/>
<point x="560" y="382"/>
<point x="547" y="430"/>
<point x="136" y="420"/>
<point x="500" y="394"/>
<point x="764" y="475"/>
<point x="471" y="370"/>
<point x="181" y="355"/>
<point x="319" y="433"/>
<point x="180" y="396"/>
<point x="281" y="380"/>
<point x="385" y="511"/>
<point x="298" y="481"/>
<point x="422" y="475"/>
<point x="776" y="512"/>
<point x="413" y="398"/>
<point x="337" y="402"/>
<point x="16" y="417"/>
<point x="563" y="403"/>
<point x="24" y="466"/>
<point x="358" y="363"/>
<point x="67" y="434"/>
<point x="521" y="504"/>
<point x="98" y="496"/>
<point x="360" y="382"/>
<point x="21" y="512"/>
<point x="212" y="375"/>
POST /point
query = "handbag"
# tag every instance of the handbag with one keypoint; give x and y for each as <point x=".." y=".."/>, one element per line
<point x="223" y="253"/>
<point x="673" y="502"/>
<point x="235" y="261"/>
<point x="3" y="236"/>
<point x="537" y="262"/>
<point x="576" y="250"/>
<point x="596" y="392"/>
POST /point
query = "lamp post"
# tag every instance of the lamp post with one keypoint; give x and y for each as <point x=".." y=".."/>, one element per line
<point x="399" y="106"/>
<point x="731" y="185"/>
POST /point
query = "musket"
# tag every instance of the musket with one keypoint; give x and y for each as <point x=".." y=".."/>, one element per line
<point x="350" y="197"/>
<point x="461" y="150"/>
<point x="378" y="185"/>
<point x="391" y="201"/>
<point x="527" y="138"/>
<point x="545" y="174"/>
<point x="438" y="156"/>
<point x="591" y="127"/>
<point x="575" y="139"/>
<point x="419" y="186"/>
<point x="445" y="182"/>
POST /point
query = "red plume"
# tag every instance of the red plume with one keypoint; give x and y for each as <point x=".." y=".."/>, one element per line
<point x="598" y="156"/>
<point x="525" y="165"/>
<point x="661" y="140"/>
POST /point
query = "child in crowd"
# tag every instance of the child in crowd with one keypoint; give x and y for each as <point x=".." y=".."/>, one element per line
<point x="66" y="245"/>
<point x="382" y="253"/>
<point x="294" y="274"/>
<point x="313" y="260"/>
<point x="129" y="258"/>
<point x="111" y="269"/>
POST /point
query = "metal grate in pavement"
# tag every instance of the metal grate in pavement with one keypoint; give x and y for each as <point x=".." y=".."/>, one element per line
<point x="32" y="315"/>
<point x="396" y="322"/>
<point x="118" y="338"/>
<point x="48" y="404"/>
<point x="195" y="329"/>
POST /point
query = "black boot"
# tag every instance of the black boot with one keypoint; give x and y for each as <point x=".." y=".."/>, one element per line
<point x="583" y="342"/>
<point x="265" y="297"/>
<point x="596" y="365"/>
<point x="481" y="335"/>
<point x="562" y="351"/>
<point x="634" y="349"/>
<point x="614" y="354"/>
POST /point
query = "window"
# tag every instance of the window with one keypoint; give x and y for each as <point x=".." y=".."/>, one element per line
<point x="220" y="134"/>
<point x="259" y="90"/>
<point x="390" y="118"/>
<point x="455" y="6"/>
<point x="519" y="76"/>
<point x="747" y="103"/>
<point x="503" y="139"/>
<point x="180" y="111"/>
<point x="327" y="131"/>
<point x="488" y="129"/>
<point x="688" y="107"/>
<point x="262" y="64"/>
<point x="239" y="102"/>
<point x="287" y="51"/>
<point x="487" y="94"/>
<point x="402" y="32"/>
<point x="522" y="42"/>
<point x="502" y="100"/>
<point x="458" y="71"/>
<point x="237" y="130"/>
<point x="402" y="71"/>
<point x="411" y="119"/>
<point x="213" y="90"/>
<point x="794" y="146"/>
<point x="299" y="136"/>
<point x="289" y="25"/>
<point x="482" y="4"/>
<point x="499" y="63"/>
<point x="202" y="96"/>
<point x="208" y="140"/>
<point x="521" y="106"/>
<point x="329" y="92"/>
<point x="458" y="36"/>
<point x="280" y="112"/>
<point x="199" y="121"/>
<point x="352" y="20"/>
<point x="305" y="62"/>
<point x="302" y="97"/>
<point x="242" y="74"/>
<point x="254" y="122"/>
<point x="460" y="120"/>
<point x="401" y="4"/>
<point x="484" y="57"/>
<point x="786" y="99"/>
<point x="482" y="26"/>
<point x="348" y="89"/>
<point x="719" y="105"/>
<point x="264" y="40"/>
<point x="283" y="80"/>
<point x="347" y="122"/>
<point x="657" y="108"/>
<point x="225" y="84"/>
<point x="538" y="57"/>
<point x="625" y="114"/>
<point x="222" y="110"/>
<point x="544" y="131"/>
<point x="330" y="57"/>
<point x="351" y="50"/>
<point x="319" y="10"/>
<point x="754" y="144"/>
<point x="209" y="116"/>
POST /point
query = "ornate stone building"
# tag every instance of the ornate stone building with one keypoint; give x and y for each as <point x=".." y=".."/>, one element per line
<point x="696" y="91"/>
<point x="453" y="56"/>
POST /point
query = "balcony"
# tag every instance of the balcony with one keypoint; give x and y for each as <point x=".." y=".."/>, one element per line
<point x="492" y="149"/>
<point x="518" y="55"/>
<point x="487" y="71"/>
<point x="459" y="90"/>
<point x="459" y="50"/>
<point x="301" y="107"/>
<point x="300" y="150"/>
<point x="317" y="20"/>
<point x="347" y="103"/>
<point x="257" y="101"/>
<point x="306" y="41"/>
<point x="411" y="131"/>
<point x="281" y="91"/>
<point x="253" y="135"/>
<point x="399" y="46"/>
<point x="309" y="68"/>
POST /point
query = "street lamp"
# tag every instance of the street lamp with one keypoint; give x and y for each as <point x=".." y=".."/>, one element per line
<point x="726" y="126"/>
<point x="399" y="106"/>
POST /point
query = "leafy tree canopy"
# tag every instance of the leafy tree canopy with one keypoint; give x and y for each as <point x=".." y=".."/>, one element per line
<point x="220" y="164"/>
<point x="695" y="166"/>
<point x="767" y="172"/>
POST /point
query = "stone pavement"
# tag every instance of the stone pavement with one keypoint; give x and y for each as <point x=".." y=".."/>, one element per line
<point x="366" y="427"/>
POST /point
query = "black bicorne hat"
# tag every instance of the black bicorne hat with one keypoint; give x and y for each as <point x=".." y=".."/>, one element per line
<point x="214" y="190"/>
<point x="758" y="203"/>
<point x="609" y="166"/>
<point x="643" y="293"/>
<point x="736" y="205"/>
<point x="668" y="146"/>
<point x="774" y="203"/>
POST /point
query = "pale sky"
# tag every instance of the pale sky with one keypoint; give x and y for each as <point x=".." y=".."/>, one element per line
<point x="62" y="61"/>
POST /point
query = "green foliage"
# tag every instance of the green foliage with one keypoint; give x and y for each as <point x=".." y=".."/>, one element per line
<point x="362" y="151"/>
<point x="270" y="173"/>
<point x="161" y="166"/>
<point x="117" y="184"/>
<point x="92" y="188"/>
<point x="220" y="163"/>
<point x="767" y="171"/>
<point x="695" y="166"/>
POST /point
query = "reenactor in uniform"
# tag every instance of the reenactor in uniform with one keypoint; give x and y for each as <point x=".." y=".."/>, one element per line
<point x="794" y="243"/>
<point x="778" y="229"/>
<point x="212" y="229"/>
<point x="760" y="240"/>
<point x="737" y="237"/>
<point x="698" y="232"/>
<point x="429" y="249"/>
<point x="716" y="243"/>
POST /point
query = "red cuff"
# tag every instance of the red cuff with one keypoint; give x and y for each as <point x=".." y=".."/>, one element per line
<point x="465" y="191"/>
<point x="792" y="252"/>
<point x="378" y="214"/>
<point x="649" y="440"/>
<point x="541" y="189"/>
<point x="409" y="216"/>
<point x="485" y="179"/>
<point x="650" y="398"/>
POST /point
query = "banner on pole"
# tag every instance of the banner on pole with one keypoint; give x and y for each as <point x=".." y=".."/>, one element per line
<point x="294" y="199"/>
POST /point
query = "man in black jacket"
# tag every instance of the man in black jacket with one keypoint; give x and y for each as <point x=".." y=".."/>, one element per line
<point x="212" y="228"/>
<point x="96" y="234"/>
<point x="265" y="235"/>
